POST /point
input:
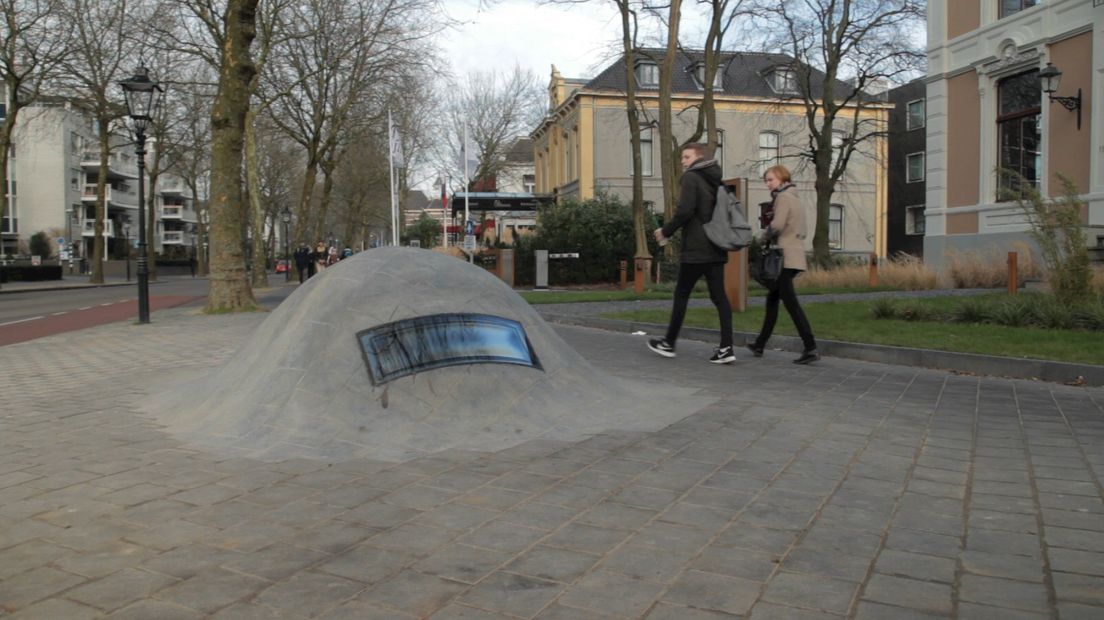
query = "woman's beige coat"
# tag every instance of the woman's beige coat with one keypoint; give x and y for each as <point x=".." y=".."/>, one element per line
<point x="788" y="228"/>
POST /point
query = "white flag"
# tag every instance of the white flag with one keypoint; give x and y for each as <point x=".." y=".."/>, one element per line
<point x="396" y="143"/>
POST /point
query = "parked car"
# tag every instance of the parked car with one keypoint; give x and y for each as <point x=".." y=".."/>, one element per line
<point x="281" y="266"/>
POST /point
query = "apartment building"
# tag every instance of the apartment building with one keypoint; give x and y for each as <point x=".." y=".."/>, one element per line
<point x="582" y="147"/>
<point x="907" y="167"/>
<point x="988" y="109"/>
<point x="53" y="176"/>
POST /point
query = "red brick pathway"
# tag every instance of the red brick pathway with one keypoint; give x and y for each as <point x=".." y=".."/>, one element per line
<point x="48" y="325"/>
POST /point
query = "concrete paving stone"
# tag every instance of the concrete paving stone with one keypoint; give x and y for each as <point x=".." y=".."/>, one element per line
<point x="916" y="566"/>
<point x="145" y="610"/>
<point x="697" y="516"/>
<point x="155" y="512"/>
<point x="1076" y="561"/>
<point x="556" y="611"/>
<point x="597" y="479"/>
<point x="745" y="536"/>
<point x="746" y="564"/>
<point x="1012" y="476"/>
<point x="937" y="489"/>
<point x="188" y="560"/>
<point x="350" y="495"/>
<point x="525" y="481"/>
<point x="104" y="560"/>
<point x="503" y="536"/>
<point x="1004" y="521"/>
<point x="539" y="516"/>
<point x="1069" y="487"/>
<point x="879" y="472"/>
<point x="512" y="594"/>
<point x="762" y="471"/>
<point x="1075" y="539"/>
<point x="462" y="563"/>
<point x="714" y="592"/>
<point x="1079" y="589"/>
<point x="617" y="516"/>
<point x="1079" y="503"/>
<point x="998" y="541"/>
<point x="1066" y="460"/>
<point x="61" y="479"/>
<point x="671" y="537"/>
<point x="212" y="590"/>
<point x="207" y="494"/>
<point x="1077" y="611"/>
<point x="1003" y="593"/>
<point x="358" y="609"/>
<point x="646" y="497"/>
<point x="120" y="589"/>
<point x="309" y="594"/>
<point x="734" y="482"/>
<point x="831" y="536"/>
<point x="417" y="539"/>
<point x="868" y="610"/>
<point x="722" y="499"/>
<point x="618" y="465"/>
<point x="226" y="514"/>
<point x="809" y="485"/>
<point x="17" y="477"/>
<point x="94" y="534"/>
<point x="553" y="564"/>
<point x="764" y="514"/>
<point x="414" y="592"/>
<point x="279" y="494"/>
<point x="676" y="483"/>
<point x="857" y="517"/>
<point x="418" y="497"/>
<point x="275" y="562"/>
<point x="827" y="562"/>
<point x="936" y="462"/>
<point x="55" y="608"/>
<point x="492" y="498"/>
<point x="254" y="479"/>
<point x="29" y="555"/>
<point x="124" y="479"/>
<point x="1074" y="474"/>
<point x="1074" y="520"/>
<point x="1002" y="503"/>
<point x="682" y="465"/>
<point x="455" y="517"/>
<point x="572" y="496"/>
<point x="810" y="591"/>
<point x="910" y="593"/>
<point x="396" y="478"/>
<point x="31" y="586"/>
<point x="612" y="593"/>
<point x="251" y="611"/>
<point x="377" y="514"/>
<point x="249" y="536"/>
<point x="368" y="564"/>
<point x="648" y="563"/>
<point x="460" y="481"/>
<point x="914" y="502"/>
<point x="305" y="513"/>
<point x="587" y="538"/>
<point x="1009" y="489"/>
<point x="24" y="508"/>
<point x="463" y="612"/>
<point x="323" y="479"/>
<point x="554" y="467"/>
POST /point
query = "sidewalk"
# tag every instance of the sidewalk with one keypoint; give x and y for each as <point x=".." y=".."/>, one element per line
<point x="843" y="489"/>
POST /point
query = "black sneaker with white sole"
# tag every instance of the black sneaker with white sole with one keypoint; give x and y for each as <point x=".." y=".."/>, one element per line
<point x="662" y="347"/>
<point x="723" y="355"/>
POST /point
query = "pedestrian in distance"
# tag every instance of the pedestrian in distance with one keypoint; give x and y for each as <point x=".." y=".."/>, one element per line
<point x="787" y="231"/>
<point x="698" y="257"/>
<point x="319" y="257"/>
<point x="302" y="259"/>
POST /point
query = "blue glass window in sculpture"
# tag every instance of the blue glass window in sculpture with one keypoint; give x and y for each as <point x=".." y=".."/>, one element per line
<point x="408" y="346"/>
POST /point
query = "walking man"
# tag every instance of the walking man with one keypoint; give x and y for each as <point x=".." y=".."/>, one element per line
<point x="699" y="257"/>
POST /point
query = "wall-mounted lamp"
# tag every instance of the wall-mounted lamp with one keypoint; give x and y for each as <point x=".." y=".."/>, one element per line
<point x="1051" y="77"/>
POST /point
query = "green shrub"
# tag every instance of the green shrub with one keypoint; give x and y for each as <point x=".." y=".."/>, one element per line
<point x="971" y="311"/>
<point x="1015" y="312"/>
<point x="40" y="245"/>
<point x="1090" y="315"/>
<point x="883" y="308"/>
<point x="918" y="312"/>
<point x="1052" y="313"/>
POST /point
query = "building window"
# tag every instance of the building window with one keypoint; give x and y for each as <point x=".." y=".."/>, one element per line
<point x="915" y="116"/>
<point x="914" y="220"/>
<point x="569" y="165"/>
<point x="1018" y="135"/>
<point x="914" y="170"/>
<point x="647" y="75"/>
<point x="838" y="140"/>
<point x="529" y="181"/>
<point x="1011" y="7"/>
<point x="835" y="226"/>
<point x="768" y="151"/>
<point x="718" y="77"/>
<point x="74" y="178"/>
<point x="785" y="81"/>
<point x="645" y="153"/>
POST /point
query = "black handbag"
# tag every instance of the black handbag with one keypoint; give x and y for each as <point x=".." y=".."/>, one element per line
<point x="766" y="269"/>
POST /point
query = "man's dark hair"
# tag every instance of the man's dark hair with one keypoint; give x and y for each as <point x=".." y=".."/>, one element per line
<point x="700" y="148"/>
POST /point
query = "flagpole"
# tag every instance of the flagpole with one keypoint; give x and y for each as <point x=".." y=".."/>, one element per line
<point x="391" y="179"/>
<point x="467" y="181"/>
<point x="444" y="207"/>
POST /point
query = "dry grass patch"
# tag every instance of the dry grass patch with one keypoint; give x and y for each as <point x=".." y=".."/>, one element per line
<point x="904" y="273"/>
<point x="989" y="268"/>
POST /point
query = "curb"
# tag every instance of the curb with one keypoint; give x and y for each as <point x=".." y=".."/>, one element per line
<point x="969" y="363"/>
<point x="63" y="287"/>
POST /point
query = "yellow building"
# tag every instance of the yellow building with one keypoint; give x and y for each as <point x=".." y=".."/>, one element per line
<point x="582" y="147"/>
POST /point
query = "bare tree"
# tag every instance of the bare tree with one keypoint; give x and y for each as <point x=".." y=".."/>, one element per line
<point x="101" y="41"/>
<point x="32" y="44"/>
<point x="866" y="43"/>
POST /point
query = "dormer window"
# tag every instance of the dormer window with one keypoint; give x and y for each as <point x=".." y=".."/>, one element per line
<point x="647" y="75"/>
<point x="699" y="77"/>
<point x="784" y="80"/>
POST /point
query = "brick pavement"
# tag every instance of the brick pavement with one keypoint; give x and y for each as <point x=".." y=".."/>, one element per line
<point x="844" y="489"/>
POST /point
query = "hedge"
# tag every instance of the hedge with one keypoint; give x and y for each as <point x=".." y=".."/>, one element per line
<point x="27" y="273"/>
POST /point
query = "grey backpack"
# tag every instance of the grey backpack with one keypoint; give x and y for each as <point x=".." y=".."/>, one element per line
<point x="728" y="229"/>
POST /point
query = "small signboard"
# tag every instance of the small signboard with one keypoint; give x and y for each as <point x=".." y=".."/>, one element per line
<point x="415" y="243"/>
<point x="61" y="241"/>
<point x="63" y="255"/>
<point x="36" y="261"/>
<point x="469" y="243"/>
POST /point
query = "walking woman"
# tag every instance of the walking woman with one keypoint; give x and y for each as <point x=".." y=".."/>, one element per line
<point x="786" y="231"/>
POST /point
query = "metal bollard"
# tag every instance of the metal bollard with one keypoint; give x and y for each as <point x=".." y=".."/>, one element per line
<point x="639" y="275"/>
<point x="873" y="269"/>
<point x="1013" y="273"/>
<point x="624" y="267"/>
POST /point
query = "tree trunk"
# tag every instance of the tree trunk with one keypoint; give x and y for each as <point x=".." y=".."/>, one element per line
<point x="668" y="155"/>
<point x="229" y="287"/>
<point x="153" y="173"/>
<point x="639" y="230"/>
<point x="256" y="210"/>
<point x="328" y="166"/>
<point x="98" y="246"/>
<point x="304" y="231"/>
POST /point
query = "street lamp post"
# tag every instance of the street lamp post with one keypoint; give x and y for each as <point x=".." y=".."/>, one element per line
<point x="126" y="244"/>
<point x="141" y="98"/>
<point x="285" y="217"/>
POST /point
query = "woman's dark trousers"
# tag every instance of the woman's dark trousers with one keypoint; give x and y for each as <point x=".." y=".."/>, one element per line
<point x="689" y="274"/>
<point x="785" y="292"/>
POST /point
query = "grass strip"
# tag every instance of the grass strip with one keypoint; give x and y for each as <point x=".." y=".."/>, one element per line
<point x="852" y="322"/>
<point x="664" y="291"/>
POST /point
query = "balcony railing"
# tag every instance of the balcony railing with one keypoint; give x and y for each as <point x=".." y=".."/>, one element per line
<point x="89" y="228"/>
<point x="90" y="193"/>
<point x="10" y="225"/>
<point x="172" y="237"/>
<point x="172" y="212"/>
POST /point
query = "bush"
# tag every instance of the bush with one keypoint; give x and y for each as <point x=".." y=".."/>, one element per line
<point x="883" y="308"/>
<point x="989" y="268"/>
<point x="971" y="311"/>
<point x="28" y="273"/>
<point x="40" y="245"/>
<point x="1013" y="313"/>
<point x="919" y="312"/>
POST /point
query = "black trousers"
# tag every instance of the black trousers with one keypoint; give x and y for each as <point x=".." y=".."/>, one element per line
<point x="785" y="292"/>
<point x="689" y="274"/>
